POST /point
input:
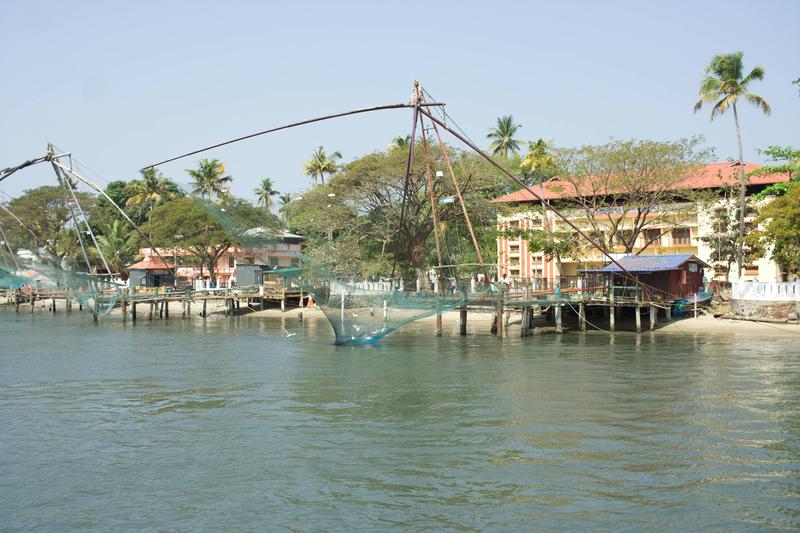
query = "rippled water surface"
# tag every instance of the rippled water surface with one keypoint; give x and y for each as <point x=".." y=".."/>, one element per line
<point x="229" y="425"/>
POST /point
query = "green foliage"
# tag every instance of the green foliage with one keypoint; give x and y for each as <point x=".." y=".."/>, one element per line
<point x="502" y="137"/>
<point x="209" y="179"/>
<point x="114" y="243"/>
<point x="539" y="164"/>
<point x="781" y="222"/>
<point x="264" y="192"/>
<point x="186" y="224"/>
<point x="724" y="85"/>
<point x="789" y="159"/>
<point x="321" y="164"/>
<point x="45" y="212"/>
<point x="147" y="193"/>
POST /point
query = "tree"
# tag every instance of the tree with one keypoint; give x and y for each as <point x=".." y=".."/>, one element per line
<point x="209" y="179"/>
<point x="149" y="192"/>
<point x="184" y="222"/>
<point x="790" y="164"/>
<point x="623" y="188"/>
<point x="46" y="213"/>
<point x="539" y="163"/>
<point x="264" y="193"/>
<point x="780" y="220"/>
<point x="114" y="244"/>
<point x="723" y="85"/>
<point x="502" y="136"/>
<point x="285" y="200"/>
<point x="400" y="143"/>
<point x="321" y="164"/>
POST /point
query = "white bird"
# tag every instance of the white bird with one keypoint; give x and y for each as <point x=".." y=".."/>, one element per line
<point x="355" y="314"/>
<point x="288" y="334"/>
<point x="357" y="328"/>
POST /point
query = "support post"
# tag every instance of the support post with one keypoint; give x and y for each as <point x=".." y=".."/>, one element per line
<point x="53" y="303"/>
<point x="612" y="317"/>
<point x="559" y="329"/>
<point x="133" y="311"/>
<point x="668" y="312"/>
<point x="638" y="318"/>
<point x="499" y="312"/>
<point x="653" y="312"/>
<point x="462" y="321"/>
<point x="582" y="315"/>
<point x="166" y="309"/>
<point x="523" y="326"/>
<point x="205" y="302"/>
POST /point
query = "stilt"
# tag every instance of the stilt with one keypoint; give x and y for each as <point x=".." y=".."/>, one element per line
<point x="238" y="303"/>
<point x="166" y="309"/>
<point x="532" y="321"/>
<point x="494" y="325"/>
<point x="653" y="312"/>
<point x="33" y="302"/>
<point x="53" y="304"/>
<point x="160" y="307"/>
<point x="124" y="309"/>
<point x="439" y="324"/>
<point x="638" y="318"/>
<point x="133" y="311"/>
<point x="188" y="308"/>
<point x="462" y="321"/>
<point x="204" y="307"/>
<point x="283" y="303"/>
<point x="668" y="312"/>
<point x="612" y="316"/>
<point x="150" y="310"/>
<point x="499" y="313"/>
<point x="582" y="315"/>
<point x="559" y="329"/>
<point x="523" y="326"/>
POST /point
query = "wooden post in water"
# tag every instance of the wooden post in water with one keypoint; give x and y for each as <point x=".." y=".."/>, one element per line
<point x="33" y="301"/>
<point x="559" y="329"/>
<point x="188" y="308"/>
<point x="612" y="316"/>
<point x="638" y="318"/>
<point x="150" y="310"/>
<point x="166" y="309"/>
<point x="462" y="321"/>
<point x="582" y="315"/>
<point x="653" y="313"/>
<point x="53" y="303"/>
<point x="204" y="307"/>
<point x="499" y="311"/>
<point x="523" y="325"/>
<point x="668" y="312"/>
<point x="133" y="311"/>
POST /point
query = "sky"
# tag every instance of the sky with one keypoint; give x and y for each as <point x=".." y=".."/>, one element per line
<point x="122" y="85"/>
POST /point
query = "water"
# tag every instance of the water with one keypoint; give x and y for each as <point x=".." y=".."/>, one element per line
<point x="229" y="425"/>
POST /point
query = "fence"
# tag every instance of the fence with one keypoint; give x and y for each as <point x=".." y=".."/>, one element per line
<point x="766" y="291"/>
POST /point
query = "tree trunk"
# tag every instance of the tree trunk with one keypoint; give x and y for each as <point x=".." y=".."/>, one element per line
<point x="742" y="193"/>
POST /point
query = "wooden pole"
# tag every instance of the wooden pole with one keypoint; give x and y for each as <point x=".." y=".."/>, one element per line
<point x="612" y="317"/>
<point x="523" y="325"/>
<point x="205" y="300"/>
<point x="638" y="318"/>
<point x="499" y="312"/>
<point x="559" y="329"/>
<point x="133" y="311"/>
<point x="462" y="321"/>
<point x="582" y="315"/>
<point x="653" y="313"/>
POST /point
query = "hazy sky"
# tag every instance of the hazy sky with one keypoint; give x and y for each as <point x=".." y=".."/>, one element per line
<point x="122" y="85"/>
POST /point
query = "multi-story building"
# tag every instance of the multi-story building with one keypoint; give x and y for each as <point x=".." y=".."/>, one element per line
<point x="282" y="251"/>
<point x="676" y="228"/>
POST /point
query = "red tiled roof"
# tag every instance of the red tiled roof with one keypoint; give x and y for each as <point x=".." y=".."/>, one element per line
<point x="151" y="262"/>
<point x="707" y="177"/>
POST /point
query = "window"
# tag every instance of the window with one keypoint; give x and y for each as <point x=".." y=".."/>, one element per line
<point x="273" y="261"/>
<point x="681" y="236"/>
<point x="652" y="237"/>
<point x="231" y="261"/>
<point x="513" y="249"/>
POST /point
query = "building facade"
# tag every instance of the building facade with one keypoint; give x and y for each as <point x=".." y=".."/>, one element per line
<point x="676" y="228"/>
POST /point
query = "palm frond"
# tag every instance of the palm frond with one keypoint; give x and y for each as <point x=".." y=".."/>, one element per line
<point x="758" y="102"/>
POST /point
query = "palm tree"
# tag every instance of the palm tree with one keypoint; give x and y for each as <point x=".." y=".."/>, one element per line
<point x="400" y="142"/>
<point x="723" y="85"/>
<point x="114" y="245"/>
<point x="209" y="178"/>
<point x="264" y="193"/>
<point x="502" y="136"/>
<point x="150" y="191"/>
<point x="285" y="200"/>
<point x="321" y="164"/>
<point x="539" y="163"/>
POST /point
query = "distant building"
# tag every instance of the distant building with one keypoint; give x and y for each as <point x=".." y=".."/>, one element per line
<point x="151" y="272"/>
<point x="681" y="236"/>
<point x="283" y="250"/>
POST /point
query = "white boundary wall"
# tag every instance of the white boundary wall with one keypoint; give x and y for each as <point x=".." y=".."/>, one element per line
<point x="766" y="291"/>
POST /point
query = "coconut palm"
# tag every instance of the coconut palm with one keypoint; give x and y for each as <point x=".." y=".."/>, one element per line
<point x="321" y="164"/>
<point x="149" y="192"/>
<point x="539" y="163"/>
<point x="285" y="200"/>
<point x="264" y="193"/>
<point x="723" y="85"/>
<point x="502" y="136"/>
<point x="400" y="142"/>
<point x="115" y="247"/>
<point x="209" y="178"/>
